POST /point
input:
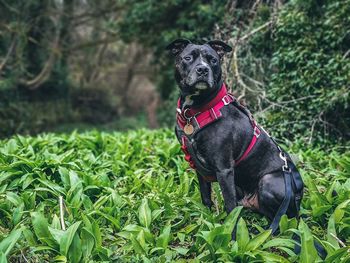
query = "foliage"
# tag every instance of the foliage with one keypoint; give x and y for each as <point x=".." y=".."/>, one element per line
<point x="44" y="53"/>
<point x="155" y="24"/>
<point x="130" y="197"/>
<point x="310" y="82"/>
<point x="25" y="42"/>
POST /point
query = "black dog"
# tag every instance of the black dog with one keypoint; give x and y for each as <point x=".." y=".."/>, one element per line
<point x="223" y="143"/>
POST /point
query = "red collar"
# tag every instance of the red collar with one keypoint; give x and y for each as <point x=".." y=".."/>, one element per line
<point x="222" y="92"/>
<point x="202" y="116"/>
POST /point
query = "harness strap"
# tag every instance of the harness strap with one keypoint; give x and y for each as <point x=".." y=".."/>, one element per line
<point x="291" y="178"/>
<point x="256" y="135"/>
<point x="285" y="203"/>
<point x="200" y="119"/>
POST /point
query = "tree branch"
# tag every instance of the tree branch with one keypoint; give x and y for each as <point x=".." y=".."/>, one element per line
<point x="254" y="31"/>
<point x="103" y="41"/>
<point x="8" y="54"/>
<point x="47" y="68"/>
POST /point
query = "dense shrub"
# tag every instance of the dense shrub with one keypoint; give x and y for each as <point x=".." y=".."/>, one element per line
<point x="310" y="85"/>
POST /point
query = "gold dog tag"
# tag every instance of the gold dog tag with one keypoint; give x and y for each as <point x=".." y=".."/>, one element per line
<point x="188" y="129"/>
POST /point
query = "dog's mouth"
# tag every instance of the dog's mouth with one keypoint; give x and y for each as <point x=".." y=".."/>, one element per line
<point x="201" y="85"/>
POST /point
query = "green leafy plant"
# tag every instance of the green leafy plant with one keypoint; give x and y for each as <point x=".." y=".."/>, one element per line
<point x="131" y="197"/>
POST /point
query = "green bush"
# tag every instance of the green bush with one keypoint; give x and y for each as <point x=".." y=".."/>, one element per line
<point x="310" y="83"/>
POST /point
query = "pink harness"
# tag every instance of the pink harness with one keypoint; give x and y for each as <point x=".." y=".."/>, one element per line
<point x="201" y="117"/>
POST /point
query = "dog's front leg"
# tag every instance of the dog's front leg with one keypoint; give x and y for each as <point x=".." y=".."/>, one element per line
<point x="226" y="181"/>
<point x="205" y="189"/>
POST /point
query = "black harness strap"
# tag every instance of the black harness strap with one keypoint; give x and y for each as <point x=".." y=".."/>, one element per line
<point x="293" y="186"/>
<point x="285" y="203"/>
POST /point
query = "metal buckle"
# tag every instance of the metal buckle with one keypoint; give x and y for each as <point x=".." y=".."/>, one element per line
<point x="231" y="96"/>
<point x="285" y="167"/>
<point x="184" y="114"/>
<point x="257" y="132"/>
<point x="268" y="134"/>
<point x="226" y="100"/>
<point x="283" y="157"/>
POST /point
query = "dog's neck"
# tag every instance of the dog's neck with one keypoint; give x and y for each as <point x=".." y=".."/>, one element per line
<point x="197" y="101"/>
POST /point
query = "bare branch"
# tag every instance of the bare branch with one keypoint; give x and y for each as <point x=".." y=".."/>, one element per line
<point x="47" y="68"/>
<point x="339" y="241"/>
<point x="256" y="30"/>
<point x="62" y="212"/>
<point x="312" y="130"/>
<point x="236" y="71"/>
<point x="346" y="54"/>
<point x="103" y="41"/>
<point x="8" y="54"/>
<point x="99" y="59"/>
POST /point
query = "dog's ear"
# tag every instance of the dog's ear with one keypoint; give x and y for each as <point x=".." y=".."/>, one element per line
<point x="220" y="47"/>
<point x="177" y="46"/>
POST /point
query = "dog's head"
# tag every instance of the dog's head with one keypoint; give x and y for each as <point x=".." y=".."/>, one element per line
<point x="197" y="67"/>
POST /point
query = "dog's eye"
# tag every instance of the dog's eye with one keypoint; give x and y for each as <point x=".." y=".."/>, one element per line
<point x="188" y="58"/>
<point x="213" y="60"/>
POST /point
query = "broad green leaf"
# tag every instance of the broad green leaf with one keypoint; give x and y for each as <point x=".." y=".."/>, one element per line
<point x="55" y="222"/>
<point x="29" y="237"/>
<point x="60" y="259"/>
<point x="145" y="213"/>
<point x="242" y="236"/>
<point x="189" y="228"/>
<point x="43" y="248"/>
<point x="113" y="220"/>
<point x="156" y="213"/>
<point x="279" y="242"/>
<point x="258" y="240"/>
<point x="14" y="198"/>
<point x="337" y="255"/>
<point x="339" y="211"/>
<point x="287" y="223"/>
<point x="56" y="234"/>
<point x="7" y="244"/>
<point x="97" y="234"/>
<point x="17" y="214"/>
<point x="2" y="258"/>
<point x="87" y="242"/>
<point x="231" y="219"/>
<point x="41" y="228"/>
<point x="308" y="251"/>
<point x="270" y="257"/>
<point x="67" y="238"/>
<point x="136" y="246"/>
<point x="75" y="250"/>
<point x="141" y="239"/>
<point x="164" y="237"/>
<point x="331" y="232"/>
<point x="182" y="251"/>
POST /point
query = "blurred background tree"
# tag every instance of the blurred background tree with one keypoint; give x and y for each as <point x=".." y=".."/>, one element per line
<point x="79" y="63"/>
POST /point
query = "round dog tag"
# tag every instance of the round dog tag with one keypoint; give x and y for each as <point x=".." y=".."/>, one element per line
<point x="188" y="129"/>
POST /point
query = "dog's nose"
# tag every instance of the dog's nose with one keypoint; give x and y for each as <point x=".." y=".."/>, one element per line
<point x="202" y="70"/>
